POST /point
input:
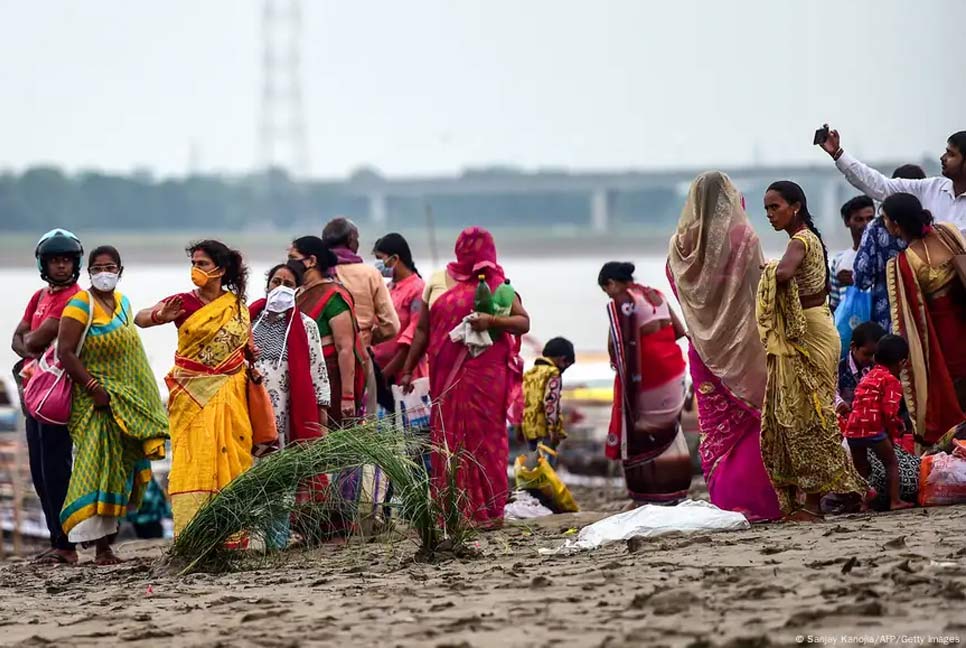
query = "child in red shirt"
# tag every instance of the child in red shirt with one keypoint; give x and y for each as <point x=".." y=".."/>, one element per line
<point x="874" y="423"/>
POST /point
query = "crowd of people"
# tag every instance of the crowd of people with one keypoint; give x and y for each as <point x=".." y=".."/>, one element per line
<point x="798" y="416"/>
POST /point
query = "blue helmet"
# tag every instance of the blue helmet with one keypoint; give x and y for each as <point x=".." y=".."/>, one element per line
<point x="58" y="242"/>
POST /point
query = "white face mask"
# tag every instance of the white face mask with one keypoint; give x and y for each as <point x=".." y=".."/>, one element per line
<point x="105" y="281"/>
<point x="280" y="300"/>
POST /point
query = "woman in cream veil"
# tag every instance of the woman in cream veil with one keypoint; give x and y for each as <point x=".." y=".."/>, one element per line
<point x="714" y="265"/>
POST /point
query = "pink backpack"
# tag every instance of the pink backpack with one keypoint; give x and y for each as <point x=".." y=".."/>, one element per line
<point x="47" y="393"/>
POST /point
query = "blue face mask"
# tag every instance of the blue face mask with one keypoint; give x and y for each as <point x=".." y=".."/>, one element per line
<point x="383" y="269"/>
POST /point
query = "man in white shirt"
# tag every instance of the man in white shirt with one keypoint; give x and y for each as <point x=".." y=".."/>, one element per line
<point x="945" y="197"/>
<point x="857" y="214"/>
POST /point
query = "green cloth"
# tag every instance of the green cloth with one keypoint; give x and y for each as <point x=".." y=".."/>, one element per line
<point x="336" y="306"/>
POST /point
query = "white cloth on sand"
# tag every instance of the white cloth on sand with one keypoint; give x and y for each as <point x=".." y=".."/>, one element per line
<point x="650" y="521"/>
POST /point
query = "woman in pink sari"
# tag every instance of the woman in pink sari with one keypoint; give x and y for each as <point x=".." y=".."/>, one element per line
<point x="471" y="393"/>
<point x="714" y="264"/>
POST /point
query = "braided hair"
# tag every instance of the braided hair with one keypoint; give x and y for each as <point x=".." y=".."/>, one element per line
<point x="792" y="193"/>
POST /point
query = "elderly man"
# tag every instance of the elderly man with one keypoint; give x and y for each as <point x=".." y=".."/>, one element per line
<point x="377" y="318"/>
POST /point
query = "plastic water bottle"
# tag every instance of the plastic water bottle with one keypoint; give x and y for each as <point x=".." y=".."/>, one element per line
<point x="503" y="298"/>
<point x="483" y="300"/>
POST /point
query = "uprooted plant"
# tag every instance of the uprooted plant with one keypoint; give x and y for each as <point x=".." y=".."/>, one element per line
<point x="289" y="488"/>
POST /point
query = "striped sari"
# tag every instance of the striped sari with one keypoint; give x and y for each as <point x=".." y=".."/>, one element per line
<point x="211" y="433"/>
<point x="113" y="446"/>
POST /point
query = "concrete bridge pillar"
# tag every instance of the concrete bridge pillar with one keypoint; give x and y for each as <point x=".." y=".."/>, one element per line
<point x="377" y="208"/>
<point x="600" y="210"/>
<point x="831" y="204"/>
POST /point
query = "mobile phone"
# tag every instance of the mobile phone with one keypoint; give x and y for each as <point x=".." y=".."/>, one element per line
<point x="820" y="136"/>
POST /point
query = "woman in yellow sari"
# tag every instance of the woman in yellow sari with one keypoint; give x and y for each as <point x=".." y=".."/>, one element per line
<point x="800" y="439"/>
<point x="211" y="433"/>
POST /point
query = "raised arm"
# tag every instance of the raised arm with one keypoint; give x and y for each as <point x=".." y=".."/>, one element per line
<point x="165" y="311"/>
<point x="864" y="178"/>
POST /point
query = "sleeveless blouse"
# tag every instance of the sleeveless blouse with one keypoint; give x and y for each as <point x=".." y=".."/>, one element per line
<point x="932" y="279"/>
<point x="811" y="274"/>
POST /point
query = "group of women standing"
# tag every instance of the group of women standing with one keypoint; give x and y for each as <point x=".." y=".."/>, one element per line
<point x="763" y="351"/>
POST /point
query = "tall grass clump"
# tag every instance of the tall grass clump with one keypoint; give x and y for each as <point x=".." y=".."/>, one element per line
<point x="254" y="505"/>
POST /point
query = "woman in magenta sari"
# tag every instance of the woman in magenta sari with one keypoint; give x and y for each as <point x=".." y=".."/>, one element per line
<point x="471" y="393"/>
<point x="714" y="264"/>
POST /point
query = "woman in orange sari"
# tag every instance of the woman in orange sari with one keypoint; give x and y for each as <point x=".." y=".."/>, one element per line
<point x="211" y="433"/>
<point x="928" y="302"/>
<point x="471" y="392"/>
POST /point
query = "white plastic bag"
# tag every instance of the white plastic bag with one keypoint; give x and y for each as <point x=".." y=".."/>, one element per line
<point x="413" y="409"/>
<point x="524" y="507"/>
<point x="650" y="521"/>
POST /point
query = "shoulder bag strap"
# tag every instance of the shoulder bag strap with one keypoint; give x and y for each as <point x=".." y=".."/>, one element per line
<point x="90" y="320"/>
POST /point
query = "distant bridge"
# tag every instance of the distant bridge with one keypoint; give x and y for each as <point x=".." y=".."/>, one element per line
<point x="823" y="184"/>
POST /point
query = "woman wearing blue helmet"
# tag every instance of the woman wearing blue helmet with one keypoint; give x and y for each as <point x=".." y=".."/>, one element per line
<point x="58" y="255"/>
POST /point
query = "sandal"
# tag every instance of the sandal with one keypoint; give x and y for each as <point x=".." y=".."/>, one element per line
<point x="55" y="557"/>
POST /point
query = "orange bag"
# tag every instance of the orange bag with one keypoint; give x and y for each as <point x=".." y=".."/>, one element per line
<point x="262" y="416"/>
<point x="942" y="477"/>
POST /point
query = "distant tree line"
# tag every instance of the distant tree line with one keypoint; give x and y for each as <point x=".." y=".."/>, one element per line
<point x="41" y="198"/>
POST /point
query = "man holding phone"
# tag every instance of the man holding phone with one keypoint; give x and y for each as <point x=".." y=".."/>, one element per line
<point x="945" y="197"/>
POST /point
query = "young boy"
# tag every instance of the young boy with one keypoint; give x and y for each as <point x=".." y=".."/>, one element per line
<point x="857" y="214"/>
<point x="855" y="365"/>
<point x="542" y="384"/>
<point x="875" y="421"/>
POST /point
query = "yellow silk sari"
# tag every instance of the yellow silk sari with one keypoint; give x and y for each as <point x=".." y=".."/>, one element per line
<point x="800" y="440"/>
<point x="211" y="434"/>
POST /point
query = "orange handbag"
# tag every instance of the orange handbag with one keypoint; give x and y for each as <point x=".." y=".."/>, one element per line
<point x="262" y="415"/>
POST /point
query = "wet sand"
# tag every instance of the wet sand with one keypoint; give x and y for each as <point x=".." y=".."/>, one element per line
<point x="859" y="577"/>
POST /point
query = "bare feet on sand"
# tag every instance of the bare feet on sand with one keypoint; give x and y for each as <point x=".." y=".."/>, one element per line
<point x="105" y="556"/>
<point x="804" y="515"/>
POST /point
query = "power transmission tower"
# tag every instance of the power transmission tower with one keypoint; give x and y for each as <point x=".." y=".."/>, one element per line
<point x="282" y="130"/>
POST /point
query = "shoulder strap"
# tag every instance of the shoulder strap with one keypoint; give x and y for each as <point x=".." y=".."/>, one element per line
<point x="90" y="320"/>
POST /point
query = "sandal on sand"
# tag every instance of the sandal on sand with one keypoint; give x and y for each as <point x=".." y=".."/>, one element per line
<point x="54" y="557"/>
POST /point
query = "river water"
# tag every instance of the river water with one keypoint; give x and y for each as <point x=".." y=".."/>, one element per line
<point x="560" y="294"/>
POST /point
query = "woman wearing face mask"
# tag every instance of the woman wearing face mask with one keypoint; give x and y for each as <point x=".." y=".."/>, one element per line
<point x="330" y="306"/>
<point x="211" y="432"/>
<point x="291" y="361"/>
<point x="117" y="421"/>
<point x="395" y="261"/>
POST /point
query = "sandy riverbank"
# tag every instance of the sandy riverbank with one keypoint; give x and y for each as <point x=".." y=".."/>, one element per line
<point x="861" y="575"/>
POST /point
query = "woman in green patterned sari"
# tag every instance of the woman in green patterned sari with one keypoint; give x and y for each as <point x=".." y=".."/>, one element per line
<point x="117" y="423"/>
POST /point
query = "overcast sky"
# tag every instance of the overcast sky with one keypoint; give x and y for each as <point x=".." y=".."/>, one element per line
<point x="433" y="86"/>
